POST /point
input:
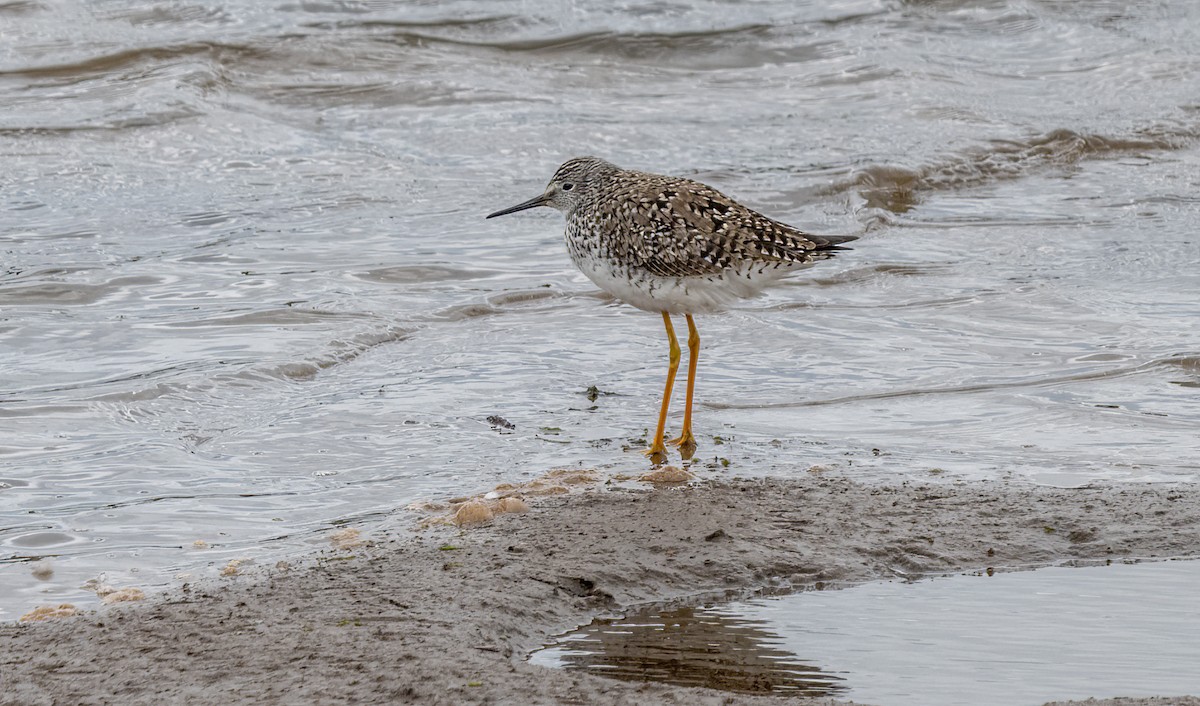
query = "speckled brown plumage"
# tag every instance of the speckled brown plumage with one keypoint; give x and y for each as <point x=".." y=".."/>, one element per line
<point x="674" y="227"/>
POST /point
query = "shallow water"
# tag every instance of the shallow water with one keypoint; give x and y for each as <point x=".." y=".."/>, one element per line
<point x="1002" y="640"/>
<point x="247" y="291"/>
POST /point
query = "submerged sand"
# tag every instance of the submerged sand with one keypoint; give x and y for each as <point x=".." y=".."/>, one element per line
<point x="448" y="615"/>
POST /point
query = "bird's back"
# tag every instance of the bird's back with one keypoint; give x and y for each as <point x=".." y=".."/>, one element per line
<point x="673" y="227"/>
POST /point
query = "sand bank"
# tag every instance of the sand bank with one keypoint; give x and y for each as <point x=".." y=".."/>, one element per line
<point x="447" y="616"/>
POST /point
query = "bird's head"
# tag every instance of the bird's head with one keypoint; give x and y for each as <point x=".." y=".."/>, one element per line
<point x="574" y="183"/>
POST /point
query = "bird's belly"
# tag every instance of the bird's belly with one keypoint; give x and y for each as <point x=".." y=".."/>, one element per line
<point x="675" y="295"/>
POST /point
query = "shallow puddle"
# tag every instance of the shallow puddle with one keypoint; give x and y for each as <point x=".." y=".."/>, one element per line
<point x="1012" y="638"/>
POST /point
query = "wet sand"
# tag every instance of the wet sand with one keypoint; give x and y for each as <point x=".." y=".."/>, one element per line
<point x="448" y="615"/>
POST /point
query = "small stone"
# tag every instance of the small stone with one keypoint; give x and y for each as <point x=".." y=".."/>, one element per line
<point x="511" y="504"/>
<point x="500" y="422"/>
<point x="714" y="536"/>
<point x="473" y="513"/>
<point x="571" y="476"/>
<point x="98" y="586"/>
<point x="667" y="475"/>
<point x="63" y="610"/>
<point x="346" y="538"/>
<point x="542" y="489"/>
<point x="122" y="595"/>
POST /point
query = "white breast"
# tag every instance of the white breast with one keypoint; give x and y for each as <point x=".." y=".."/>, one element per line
<point x="675" y="295"/>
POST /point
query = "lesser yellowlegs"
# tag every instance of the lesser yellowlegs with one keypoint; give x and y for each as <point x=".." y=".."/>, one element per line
<point x="674" y="246"/>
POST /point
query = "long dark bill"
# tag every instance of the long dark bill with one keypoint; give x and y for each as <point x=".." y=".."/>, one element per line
<point x="531" y="203"/>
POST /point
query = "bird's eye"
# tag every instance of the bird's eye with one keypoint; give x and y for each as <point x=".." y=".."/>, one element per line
<point x="567" y="186"/>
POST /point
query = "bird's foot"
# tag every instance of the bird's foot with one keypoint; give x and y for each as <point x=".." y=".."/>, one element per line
<point x="685" y="439"/>
<point x="686" y="443"/>
<point x="656" y="453"/>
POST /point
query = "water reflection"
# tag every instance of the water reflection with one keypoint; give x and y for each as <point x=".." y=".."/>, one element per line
<point x="706" y="647"/>
<point x="1005" y="638"/>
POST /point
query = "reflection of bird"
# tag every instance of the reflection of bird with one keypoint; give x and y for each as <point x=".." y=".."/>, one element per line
<point x="674" y="246"/>
<point x="717" y="648"/>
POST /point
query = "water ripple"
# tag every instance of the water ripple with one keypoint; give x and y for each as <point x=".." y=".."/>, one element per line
<point x="1186" y="362"/>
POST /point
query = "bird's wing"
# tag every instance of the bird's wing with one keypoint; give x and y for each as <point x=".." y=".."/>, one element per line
<point x="681" y="228"/>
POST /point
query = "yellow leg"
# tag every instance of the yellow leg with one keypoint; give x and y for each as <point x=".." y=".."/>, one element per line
<point x="658" y="451"/>
<point x="686" y="442"/>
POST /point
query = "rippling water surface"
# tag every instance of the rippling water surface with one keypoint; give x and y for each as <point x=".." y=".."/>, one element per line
<point x="246" y="290"/>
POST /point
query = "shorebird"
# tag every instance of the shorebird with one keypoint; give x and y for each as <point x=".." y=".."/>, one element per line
<point x="674" y="246"/>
